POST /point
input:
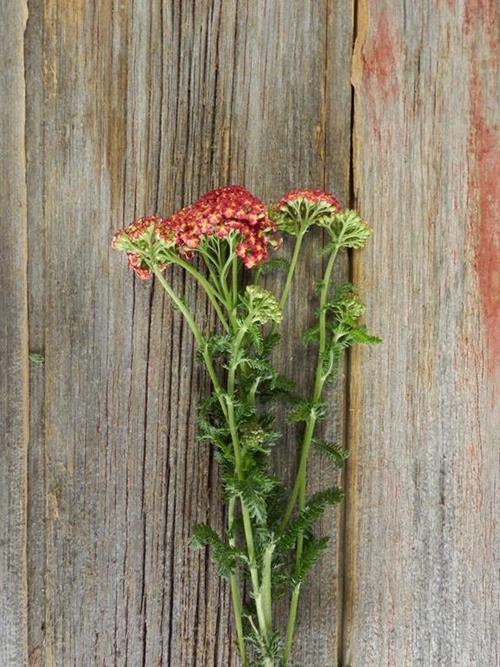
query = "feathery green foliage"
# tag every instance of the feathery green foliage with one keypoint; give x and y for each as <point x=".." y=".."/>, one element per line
<point x="313" y="510"/>
<point x="332" y="451"/>
<point x="224" y="555"/>
<point x="269" y="540"/>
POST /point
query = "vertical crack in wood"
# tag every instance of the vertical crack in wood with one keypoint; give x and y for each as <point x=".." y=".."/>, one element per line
<point x="144" y="596"/>
<point x="324" y="95"/>
<point x="25" y="343"/>
<point x="350" y="415"/>
<point x="25" y="352"/>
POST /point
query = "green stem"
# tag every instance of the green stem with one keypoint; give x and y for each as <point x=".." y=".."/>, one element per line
<point x="319" y="380"/>
<point x="301" y="472"/>
<point x="211" y="293"/>
<point x="247" y="522"/>
<point x="214" y="263"/>
<point x="293" y="265"/>
<point x="235" y="590"/>
<point x="196" y="333"/>
<point x="290" y="628"/>
<point x="267" y="584"/>
<point x="227" y="292"/>
<point x="234" y="271"/>
<point x="211" y="264"/>
<point x="227" y="405"/>
<point x="262" y="590"/>
<point x="299" y="488"/>
<point x="180" y="305"/>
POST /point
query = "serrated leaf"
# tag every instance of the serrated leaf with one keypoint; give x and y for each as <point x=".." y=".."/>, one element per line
<point x="319" y="283"/>
<point x="310" y="555"/>
<point x="311" y="335"/>
<point x="361" y="335"/>
<point x="303" y="410"/>
<point x="261" y="367"/>
<point x="332" y="451"/>
<point x="217" y="344"/>
<point x="252" y="490"/>
<point x="275" y="263"/>
<point x="269" y="342"/>
<point x="256" y="336"/>
<point x="314" y="508"/>
<point x="224" y="555"/>
<point x="281" y="387"/>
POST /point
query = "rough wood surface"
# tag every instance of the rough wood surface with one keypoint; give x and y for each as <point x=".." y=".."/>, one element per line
<point x="140" y="106"/>
<point x="422" y="529"/>
<point x="13" y="341"/>
<point x="136" y="107"/>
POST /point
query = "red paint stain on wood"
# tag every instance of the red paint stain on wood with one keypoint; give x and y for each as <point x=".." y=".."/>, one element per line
<point x="484" y="144"/>
<point x="379" y="56"/>
<point x="482" y="15"/>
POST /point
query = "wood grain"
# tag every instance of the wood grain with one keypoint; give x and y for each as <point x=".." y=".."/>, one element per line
<point x="301" y="129"/>
<point x="138" y="107"/>
<point x="422" y="529"/>
<point x="14" y="408"/>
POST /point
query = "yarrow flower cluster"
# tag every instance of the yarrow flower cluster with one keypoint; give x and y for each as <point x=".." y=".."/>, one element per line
<point x="311" y="196"/>
<point x="300" y="209"/>
<point x="140" y="238"/>
<point x="268" y="543"/>
<point x="218" y="213"/>
<point x="232" y="208"/>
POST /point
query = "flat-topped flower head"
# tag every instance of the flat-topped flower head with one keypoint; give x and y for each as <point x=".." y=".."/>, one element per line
<point x="228" y="211"/>
<point x="220" y="212"/>
<point x="299" y="209"/>
<point x="144" y="241"/>
<point x="311" y="196"/>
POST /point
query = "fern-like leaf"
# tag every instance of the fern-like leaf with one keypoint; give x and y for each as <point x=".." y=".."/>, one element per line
<point x="309" y="515"/>
<point x="224" y="555"/>
<point x="332" y="451"/>
<point x="310" y="555"/>
<point x="303" y="410"/>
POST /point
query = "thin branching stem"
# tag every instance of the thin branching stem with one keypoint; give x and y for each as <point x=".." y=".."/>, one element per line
<point x="299" y="487"/>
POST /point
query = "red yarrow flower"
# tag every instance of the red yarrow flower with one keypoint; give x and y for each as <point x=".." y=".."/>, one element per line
<point x="299" y="209"/>
<point x="136" y="264"/>
<point x="132" y="239"/>
<point x="218" y="213"/>
<point x="312" y="196"/>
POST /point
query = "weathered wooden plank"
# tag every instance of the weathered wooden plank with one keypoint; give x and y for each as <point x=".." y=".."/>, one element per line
<point x="14" y="378"/>
<point x="36" y="307"/>
<point x="293" y="129"/>
<point x="422" y="530"/>
<point x="137" y="107"/>
<point x="108" y="555"/>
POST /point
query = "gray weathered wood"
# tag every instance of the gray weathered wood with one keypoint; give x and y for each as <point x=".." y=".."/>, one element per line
<point x="422" y="529"/>
<point x="137" y="107"/>
<point x="294" y="118"/>
<point x="14" y="408"/>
